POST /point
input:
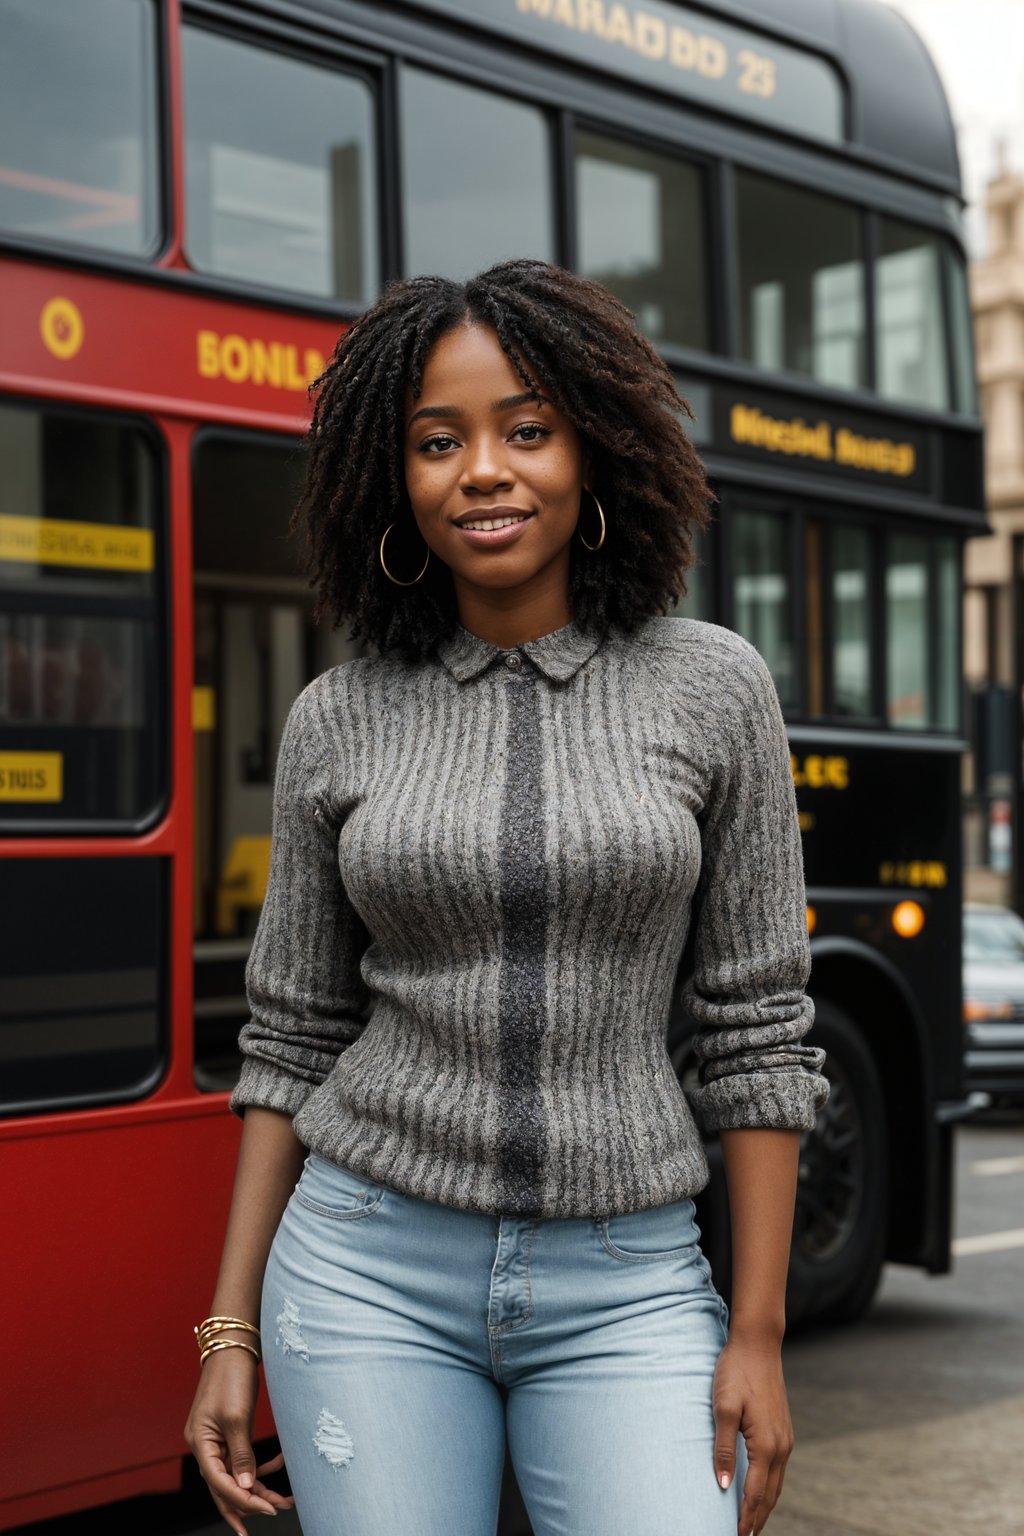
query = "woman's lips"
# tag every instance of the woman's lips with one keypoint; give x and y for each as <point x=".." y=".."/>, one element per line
<point x="494" y="538"/>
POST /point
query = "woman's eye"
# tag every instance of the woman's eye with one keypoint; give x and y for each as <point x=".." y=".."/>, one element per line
<point x="439" y="443"/>
<point x="532" y="431"/>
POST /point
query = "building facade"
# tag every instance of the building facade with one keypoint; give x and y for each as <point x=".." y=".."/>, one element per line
<point x="994" y="566"/>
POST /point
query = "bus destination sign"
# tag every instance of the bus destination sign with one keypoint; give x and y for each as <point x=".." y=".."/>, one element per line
<point x="679" y="50"/>
<point x="777" y="430"/>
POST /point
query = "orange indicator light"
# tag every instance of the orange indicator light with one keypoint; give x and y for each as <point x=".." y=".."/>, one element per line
<point x="908" y="919"/>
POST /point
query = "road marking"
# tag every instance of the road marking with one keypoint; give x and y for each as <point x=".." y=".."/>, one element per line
<point x="997" y="1165"/>
<point x="990" y="1242"/>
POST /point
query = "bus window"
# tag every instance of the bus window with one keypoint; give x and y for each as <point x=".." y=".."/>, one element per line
<point x="949" y="610"/>
<point x="255" y="649"/>
<point x="801" y="276"/>
<point x="280" y="170"/>
<point x="78" y="123"/>
<point x="641" y="232"/>
<point x="83" y="981"/>
<point x="80" y="602"/>
<point x="476" y="178"/>
<point x="922" y="592"/>
<point x="852" y="626"/>
<point x="962" y="337"/>
<point x="909" y="324"/>
<point x="762" y="591"/>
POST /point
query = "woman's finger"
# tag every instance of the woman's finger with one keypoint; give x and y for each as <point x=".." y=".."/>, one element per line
<point x="771" y="1495"/>
<point x="228" y="1515"/>
<point x="273" y="1465"/>
<point x="752" y="1512"/>
<point x="210" y="1453"/>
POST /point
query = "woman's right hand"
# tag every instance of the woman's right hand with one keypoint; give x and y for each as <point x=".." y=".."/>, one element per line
<point x="219" y="1435"/>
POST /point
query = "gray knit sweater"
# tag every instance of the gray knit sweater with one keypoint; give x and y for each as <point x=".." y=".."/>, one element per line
<point x="484" y="868"/>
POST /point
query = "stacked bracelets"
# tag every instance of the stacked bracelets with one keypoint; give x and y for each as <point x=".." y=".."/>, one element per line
<point x="207" y="1331"/>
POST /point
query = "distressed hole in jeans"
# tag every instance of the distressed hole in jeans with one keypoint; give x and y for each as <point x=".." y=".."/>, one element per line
<point x="333" y="1440"/>
<point x="289" y="1334"/>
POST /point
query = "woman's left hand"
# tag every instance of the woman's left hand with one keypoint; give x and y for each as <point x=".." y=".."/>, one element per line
<point x="749" y="1398"/>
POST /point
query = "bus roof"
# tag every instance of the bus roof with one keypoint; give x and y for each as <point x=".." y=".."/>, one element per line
<point x="899" y="108"/>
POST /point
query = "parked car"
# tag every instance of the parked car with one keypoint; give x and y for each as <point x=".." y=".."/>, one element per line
<point x="994" y="1001"/>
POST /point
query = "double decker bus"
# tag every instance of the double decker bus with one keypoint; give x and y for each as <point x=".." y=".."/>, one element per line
<point x="194" y="199"/>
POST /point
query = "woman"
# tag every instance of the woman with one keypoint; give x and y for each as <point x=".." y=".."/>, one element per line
<point x="491" y="840"/>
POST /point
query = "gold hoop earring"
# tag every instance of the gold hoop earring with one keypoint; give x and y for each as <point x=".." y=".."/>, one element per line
<point x="388" y="574"/>
<point x="600" y="513"/>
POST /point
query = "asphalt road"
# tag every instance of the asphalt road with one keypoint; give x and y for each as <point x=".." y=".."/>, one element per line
<point x="910" y="1423"/>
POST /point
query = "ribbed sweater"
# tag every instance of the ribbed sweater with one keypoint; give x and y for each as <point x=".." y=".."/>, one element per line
<point x="485" y="864"/>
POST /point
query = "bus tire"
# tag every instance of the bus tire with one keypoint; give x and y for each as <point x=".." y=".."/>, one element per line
<point x="839" y="1230"/>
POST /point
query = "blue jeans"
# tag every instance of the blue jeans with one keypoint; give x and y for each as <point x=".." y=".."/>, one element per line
<point x="403" y="1340"/>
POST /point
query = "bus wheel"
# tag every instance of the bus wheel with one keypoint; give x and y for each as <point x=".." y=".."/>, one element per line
<point x="840" y="1223"/>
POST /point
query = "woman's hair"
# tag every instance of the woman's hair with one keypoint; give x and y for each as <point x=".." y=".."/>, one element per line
<point x="564" y="335"/>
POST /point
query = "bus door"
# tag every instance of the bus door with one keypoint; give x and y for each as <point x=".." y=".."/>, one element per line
<point x="255" y="649"/>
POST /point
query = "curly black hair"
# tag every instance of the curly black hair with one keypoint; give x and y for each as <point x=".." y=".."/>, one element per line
<point x="564" y="334"/>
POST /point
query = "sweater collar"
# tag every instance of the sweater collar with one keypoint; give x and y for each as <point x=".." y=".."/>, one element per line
<point x="559" y="655"/>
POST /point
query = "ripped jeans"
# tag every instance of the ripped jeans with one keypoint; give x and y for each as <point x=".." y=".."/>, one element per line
<point x="403" y="1341"/>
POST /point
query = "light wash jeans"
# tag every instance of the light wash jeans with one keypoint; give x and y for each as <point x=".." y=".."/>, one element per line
<point x="403" y="1340"/>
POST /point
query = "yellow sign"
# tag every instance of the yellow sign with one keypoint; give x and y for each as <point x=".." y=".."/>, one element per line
<point x="920" y="872"/>
<point x="98" y="546"/>
<point x="243" y="881"/>
<point x="816" y="772"/>
<point x="204" y="709"/>
<point x="796" y="437"/>
<point x="62" y="328"/>
<point x="274" y="364"/>
<point x="31" y="776"/>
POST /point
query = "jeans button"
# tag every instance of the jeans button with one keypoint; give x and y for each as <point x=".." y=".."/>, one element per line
<point x="514" y="661"/>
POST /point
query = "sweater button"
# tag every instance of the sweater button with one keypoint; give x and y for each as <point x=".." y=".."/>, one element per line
<point x="514" y="661"/>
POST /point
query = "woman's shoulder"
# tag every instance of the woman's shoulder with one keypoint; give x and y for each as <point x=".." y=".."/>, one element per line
<point x="701" y="653"/>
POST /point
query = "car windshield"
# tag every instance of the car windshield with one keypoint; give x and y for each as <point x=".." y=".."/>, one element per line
<point x="993" y="936"/>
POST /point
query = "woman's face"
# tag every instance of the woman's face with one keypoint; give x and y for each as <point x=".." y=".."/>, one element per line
<point x="494" y="476"/>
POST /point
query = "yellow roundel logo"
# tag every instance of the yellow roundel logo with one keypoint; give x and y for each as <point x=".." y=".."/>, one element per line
<point x="61" y="327"/>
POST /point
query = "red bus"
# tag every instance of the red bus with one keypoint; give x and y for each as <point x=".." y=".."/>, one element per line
<point x="194" y="200"/>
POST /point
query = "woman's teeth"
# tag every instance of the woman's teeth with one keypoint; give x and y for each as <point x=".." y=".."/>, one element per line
<point x="488" y="524"/>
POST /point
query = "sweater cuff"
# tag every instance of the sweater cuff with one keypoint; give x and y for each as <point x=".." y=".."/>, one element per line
<point x="775" y="1101"/>
<point x="267" y="1087"/>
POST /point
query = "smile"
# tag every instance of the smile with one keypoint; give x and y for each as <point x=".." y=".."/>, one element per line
<point x="491" y="532"/>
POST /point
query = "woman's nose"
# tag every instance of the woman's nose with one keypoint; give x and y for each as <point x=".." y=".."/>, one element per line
<point x="485" y="467"/>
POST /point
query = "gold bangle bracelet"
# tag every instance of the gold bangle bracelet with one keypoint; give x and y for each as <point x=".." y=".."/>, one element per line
<point x="239" y="1322"/>
<point x="212" y="1349"/>
<point x="211" y="1326"/>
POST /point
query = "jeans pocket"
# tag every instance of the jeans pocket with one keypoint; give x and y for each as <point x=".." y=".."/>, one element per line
<point x="333" y="1190"/>
<point x="661" y="1232"/>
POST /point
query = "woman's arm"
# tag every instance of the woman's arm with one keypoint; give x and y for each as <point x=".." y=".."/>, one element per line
<point x="749" y="1392"/>
<point x="761" y="1083"/>
<point x="219" y="1428"/>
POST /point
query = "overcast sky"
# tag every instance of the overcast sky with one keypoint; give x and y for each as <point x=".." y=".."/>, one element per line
<point x="978" y="46"/>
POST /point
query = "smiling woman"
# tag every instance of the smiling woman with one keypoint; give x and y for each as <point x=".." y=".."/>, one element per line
<point x="510" y="396"/>
<point x="491" y="841"/>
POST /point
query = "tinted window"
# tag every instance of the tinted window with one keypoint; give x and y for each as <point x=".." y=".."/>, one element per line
<point x="78" y="125"/>
<point x="962" y="337"/>
<point x="255" y="648"/>
<point x="640" y="232"/>
<point x="280" y="170"/>
<point x="80" y="621"/>
<point x="801" y="275"/>
<point x="762" y="591"/>
<point x="911" y="338"/>
<point x="81" y="1019"/>
<point x="476" y="178"/>
<point x="923" y="632"/>
<point x="851" y="621"/>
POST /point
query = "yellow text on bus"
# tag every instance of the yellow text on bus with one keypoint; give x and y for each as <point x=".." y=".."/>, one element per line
<point x="31" y="776"/>
<point x="817" y="772"/>
<point x="245" y="360"/>
<point x="754" y="428"/>
<point x="56" y="541"/>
